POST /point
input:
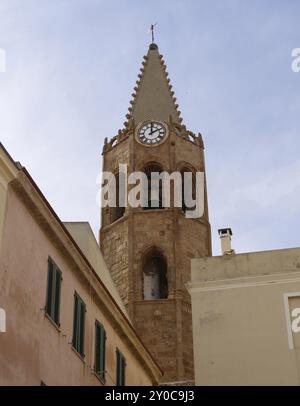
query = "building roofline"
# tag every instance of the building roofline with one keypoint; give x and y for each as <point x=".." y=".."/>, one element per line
<point x="240" y="254"/>
<point x="16" y="164"/>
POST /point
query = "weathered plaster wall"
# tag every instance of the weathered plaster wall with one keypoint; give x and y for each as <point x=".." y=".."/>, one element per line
<point x="240" y="321"/>
<point x="33" y="349"/>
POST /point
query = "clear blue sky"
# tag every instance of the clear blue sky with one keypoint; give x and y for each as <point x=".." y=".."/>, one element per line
<point x="71" y="68"/>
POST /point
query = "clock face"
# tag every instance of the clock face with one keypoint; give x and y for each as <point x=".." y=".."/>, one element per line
<point x="151" y="133"/>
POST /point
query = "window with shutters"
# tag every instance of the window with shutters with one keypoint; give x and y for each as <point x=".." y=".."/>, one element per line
<point x="78" y="324"/>
<point x="121" y="365"/>
<point x="100" y="339"/>
<point x="53" y="291"/>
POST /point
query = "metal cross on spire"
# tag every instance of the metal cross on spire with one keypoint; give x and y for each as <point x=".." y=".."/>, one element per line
<point x="152" y="31"/>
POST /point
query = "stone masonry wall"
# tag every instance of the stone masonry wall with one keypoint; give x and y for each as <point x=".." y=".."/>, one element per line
<point x="155" y="322"/>
<point x="165" y="325"/>
<point x="114" y="245"/>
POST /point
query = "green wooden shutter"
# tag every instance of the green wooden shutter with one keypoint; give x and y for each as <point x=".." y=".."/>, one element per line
<point x="118" y="369"/>
<point x="123" y="364"/>
<point x="53" y="291"/>
<point x="81" y="327"/>
<point x="58" y="279"/>
<point x="79" y="324"/>
<point x="102" y="352"/>
<point x="75" y="321"/>
<point x="54" y="277"/>
<point x="100" y="340"/>
<point x="97" y="347"/>
<point x="120" y="376"/>
<point x="49" y="287"/>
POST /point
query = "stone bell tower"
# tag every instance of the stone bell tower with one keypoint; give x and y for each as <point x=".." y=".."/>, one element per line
<point x="149" y="250"/>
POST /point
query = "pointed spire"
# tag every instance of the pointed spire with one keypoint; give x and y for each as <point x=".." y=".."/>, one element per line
<point x="153" y="98"/>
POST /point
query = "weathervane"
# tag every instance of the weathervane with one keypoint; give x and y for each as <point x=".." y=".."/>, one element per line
<point x="152" y="31"/>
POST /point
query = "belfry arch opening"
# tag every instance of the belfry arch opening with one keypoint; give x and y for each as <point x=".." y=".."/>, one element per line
<point x="155" y="283"/>
<point x="118" y="211"/>
<point x="156" y="201"/>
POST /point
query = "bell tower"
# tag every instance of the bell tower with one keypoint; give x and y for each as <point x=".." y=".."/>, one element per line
<point x="149" y="249"/>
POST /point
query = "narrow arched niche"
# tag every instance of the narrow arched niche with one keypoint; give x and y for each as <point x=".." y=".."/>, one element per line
<point x="155" y="283"/>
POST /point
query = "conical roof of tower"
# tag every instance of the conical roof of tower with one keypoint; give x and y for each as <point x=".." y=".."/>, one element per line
<point x="153" y="98"/>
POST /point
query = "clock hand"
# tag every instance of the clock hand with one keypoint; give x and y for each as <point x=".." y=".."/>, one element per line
<point x="152" y="132"/>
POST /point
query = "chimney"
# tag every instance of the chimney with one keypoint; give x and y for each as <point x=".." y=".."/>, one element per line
<point x="225" y="237"/>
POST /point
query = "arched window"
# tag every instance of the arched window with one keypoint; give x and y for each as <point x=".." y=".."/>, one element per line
<point x="154" y="202"/>
<point x="117" y="212"/>
<point x="155" y="283"/>
<point x="190" y="188"/>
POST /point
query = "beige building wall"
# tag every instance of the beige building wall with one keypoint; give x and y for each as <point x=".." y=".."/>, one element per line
<point x="241" y="308"/>
<point x="33" y="349"/>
